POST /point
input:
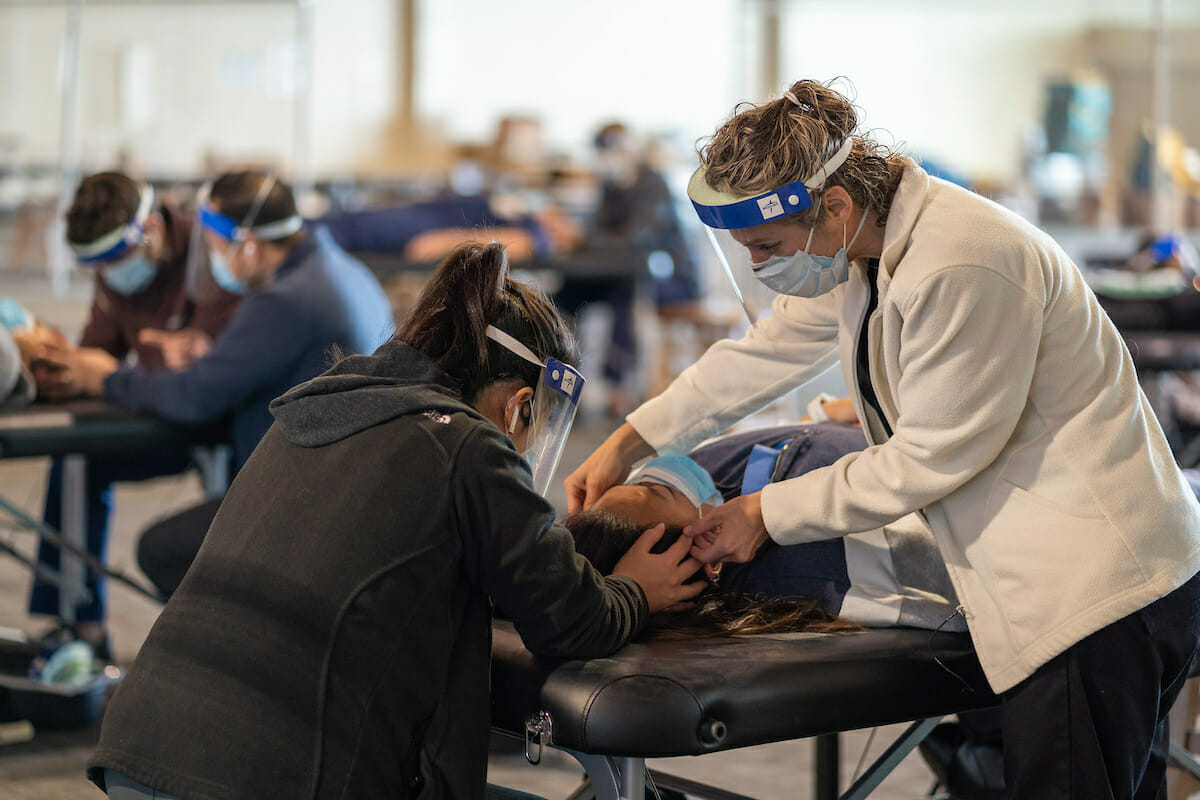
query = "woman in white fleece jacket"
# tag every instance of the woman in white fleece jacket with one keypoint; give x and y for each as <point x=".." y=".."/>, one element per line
<point x="999" y="402"/>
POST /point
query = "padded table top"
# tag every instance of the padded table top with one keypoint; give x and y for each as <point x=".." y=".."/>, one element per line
<point x="672" y="698"/>
<point x="95" y="427"/>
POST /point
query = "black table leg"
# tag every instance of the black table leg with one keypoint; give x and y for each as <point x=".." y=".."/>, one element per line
<point x="827" y="763"/>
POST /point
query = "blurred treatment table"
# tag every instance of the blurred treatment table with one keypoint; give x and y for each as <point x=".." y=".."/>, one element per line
<point x="1157" y="353"/>
<point x="697" y="696"/>
<point x="79" y="429"/>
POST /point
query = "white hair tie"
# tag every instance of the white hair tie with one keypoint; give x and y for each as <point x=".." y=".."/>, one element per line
<point x="789" y="96"/>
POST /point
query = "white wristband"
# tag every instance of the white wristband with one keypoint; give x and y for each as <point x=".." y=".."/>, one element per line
<point x="814" y="407"/>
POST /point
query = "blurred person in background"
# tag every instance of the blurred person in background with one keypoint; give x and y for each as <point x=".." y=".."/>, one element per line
<point x="303" y="298"/>
<point x="144" y="311"/>
<point x="633" y="224"/>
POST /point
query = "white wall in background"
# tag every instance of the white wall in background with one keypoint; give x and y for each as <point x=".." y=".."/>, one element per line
<point x="669" y="65"/>
<point x="954" y="79"/>
<point x="170" y="85"/>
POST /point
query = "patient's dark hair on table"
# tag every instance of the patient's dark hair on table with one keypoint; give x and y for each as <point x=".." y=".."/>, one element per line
<point x="602" y="538"/>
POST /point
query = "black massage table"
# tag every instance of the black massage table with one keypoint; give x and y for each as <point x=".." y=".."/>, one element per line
<point x="77" y="430"/>
<point x="691" y="697"/>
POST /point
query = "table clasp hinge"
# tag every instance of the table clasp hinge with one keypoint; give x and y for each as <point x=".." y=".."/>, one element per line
<point x="540" y="729"/>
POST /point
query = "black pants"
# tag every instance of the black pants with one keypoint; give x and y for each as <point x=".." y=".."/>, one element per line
<point x="1091" y="724"/>
<point x="166" y="549"/>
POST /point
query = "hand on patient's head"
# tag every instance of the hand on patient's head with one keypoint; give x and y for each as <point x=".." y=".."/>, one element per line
<point x="606" y="466"/>
<point x="662" y="576"/>
<point x="615" y="545"/>
<point x="732" y="532"/>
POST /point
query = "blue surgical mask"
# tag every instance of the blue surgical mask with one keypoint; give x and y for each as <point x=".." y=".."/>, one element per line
<point x="806" y="275"/>
<point x="129" y="276"/>
<point x="681" y="474"/>
<point x="224" y="276"/>
<point x="13" y="315"/>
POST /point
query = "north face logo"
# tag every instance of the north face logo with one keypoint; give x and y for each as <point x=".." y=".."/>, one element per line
<point x="770" y="206"/>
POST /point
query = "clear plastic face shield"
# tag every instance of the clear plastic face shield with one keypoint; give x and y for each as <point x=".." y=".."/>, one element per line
<point x="227" y="229"/>
<point x="723" y="212"/>
<point x="555" y="401"/>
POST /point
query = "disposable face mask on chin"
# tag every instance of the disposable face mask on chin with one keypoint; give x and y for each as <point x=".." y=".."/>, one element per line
<point x="131" y="276"/>
<point x="805" y="275"/>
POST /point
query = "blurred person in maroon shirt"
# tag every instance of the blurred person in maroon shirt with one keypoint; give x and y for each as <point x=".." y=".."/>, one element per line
<point x="146" y="309"/>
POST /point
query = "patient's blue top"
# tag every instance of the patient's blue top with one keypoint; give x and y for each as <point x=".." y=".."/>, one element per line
<point x="746" y="462"/>
<point x="280" y="336"/>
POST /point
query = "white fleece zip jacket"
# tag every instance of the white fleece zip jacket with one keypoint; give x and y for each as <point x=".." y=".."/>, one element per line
<point x="1019" y="428"/>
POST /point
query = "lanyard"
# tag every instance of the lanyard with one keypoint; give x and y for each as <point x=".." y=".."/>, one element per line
<point x="863" y="358"/>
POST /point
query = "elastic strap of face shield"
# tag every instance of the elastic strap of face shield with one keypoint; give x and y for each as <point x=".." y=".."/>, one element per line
<point x="228" y="228"/>
<point x="513" y="345"/>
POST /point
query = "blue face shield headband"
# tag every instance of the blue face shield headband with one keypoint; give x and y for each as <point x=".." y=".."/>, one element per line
<point x="723" y="211"/>
<point x="726" y="211"/>
<point x="115" y="244"/>
<point x="230" y="230"/>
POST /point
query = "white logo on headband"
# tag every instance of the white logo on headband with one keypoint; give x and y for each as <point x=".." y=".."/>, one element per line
<point x="770" y="206"/>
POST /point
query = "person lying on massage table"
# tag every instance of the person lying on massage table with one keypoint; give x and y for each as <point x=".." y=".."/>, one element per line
<point x="889" y="576"/>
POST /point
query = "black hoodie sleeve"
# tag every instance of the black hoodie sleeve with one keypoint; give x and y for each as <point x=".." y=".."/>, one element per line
<point x="528" y="565"/>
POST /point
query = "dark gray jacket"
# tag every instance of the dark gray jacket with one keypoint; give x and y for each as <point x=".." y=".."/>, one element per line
<point x="334" y="630"/>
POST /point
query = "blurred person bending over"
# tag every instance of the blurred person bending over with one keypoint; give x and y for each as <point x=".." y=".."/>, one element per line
<point x="303" y="299"/>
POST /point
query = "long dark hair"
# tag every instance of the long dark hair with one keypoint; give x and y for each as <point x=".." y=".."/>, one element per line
<point x="470" y="290"/>
<point x="602" y="538"/>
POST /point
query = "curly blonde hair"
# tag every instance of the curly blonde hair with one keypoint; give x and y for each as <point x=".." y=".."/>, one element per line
<point x="762" y="147"/>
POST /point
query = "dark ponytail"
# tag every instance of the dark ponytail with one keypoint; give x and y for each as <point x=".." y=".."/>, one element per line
<point x="469" y="291"/>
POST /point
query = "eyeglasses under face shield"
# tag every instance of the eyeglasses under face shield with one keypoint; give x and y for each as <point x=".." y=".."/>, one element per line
<point x="555" y="401"/>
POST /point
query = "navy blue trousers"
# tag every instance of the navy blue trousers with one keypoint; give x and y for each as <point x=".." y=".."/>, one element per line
<point x="1091" y="724"/>
<point x="101" y="474"/>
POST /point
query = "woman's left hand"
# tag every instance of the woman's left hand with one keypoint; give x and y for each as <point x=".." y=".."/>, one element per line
<point x="730" y="532"/>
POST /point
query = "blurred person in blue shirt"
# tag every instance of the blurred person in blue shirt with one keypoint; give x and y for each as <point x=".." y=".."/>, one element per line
<point x="303" y="300"/>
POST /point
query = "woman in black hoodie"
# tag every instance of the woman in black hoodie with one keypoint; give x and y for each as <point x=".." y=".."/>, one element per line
<point x="332" y="637"/>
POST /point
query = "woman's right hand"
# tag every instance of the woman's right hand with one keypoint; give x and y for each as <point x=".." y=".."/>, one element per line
<point x="605" y="467"/>
<point x="661" y="575"/>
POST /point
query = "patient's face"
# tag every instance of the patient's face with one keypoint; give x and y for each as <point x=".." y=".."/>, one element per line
<point x="648" y="504"/>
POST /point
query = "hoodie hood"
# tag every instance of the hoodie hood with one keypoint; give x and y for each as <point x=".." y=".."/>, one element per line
<point x="360" y="392"/>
